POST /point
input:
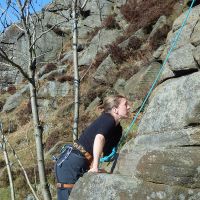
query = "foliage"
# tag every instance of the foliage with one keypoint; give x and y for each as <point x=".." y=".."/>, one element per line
<point x="117" y="54"/>
<point x="11" y="89"/>
<point x="24" y="113"/>
<point x="110" y="23"/>
<point x="141" y="14"/>
<point x="134" y="43"/>
<point x="65" y="78"/>
<point x="49" y="67"/>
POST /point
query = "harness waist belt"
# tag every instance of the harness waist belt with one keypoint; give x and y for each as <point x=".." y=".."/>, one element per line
<point x="83" y="151"/>
<point x="64" y="185"/>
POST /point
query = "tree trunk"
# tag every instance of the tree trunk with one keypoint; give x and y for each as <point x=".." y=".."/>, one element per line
<point x="39" y="145"/>
<point x="7" y="164"/>
<point x="76" y="74"/>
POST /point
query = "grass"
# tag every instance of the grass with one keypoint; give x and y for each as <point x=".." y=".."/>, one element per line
<point x="5" y="194"/>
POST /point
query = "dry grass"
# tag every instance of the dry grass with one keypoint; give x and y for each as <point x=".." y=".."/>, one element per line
<point x="64" y="78"/>
<point x="7" y="119"/>
<point x="144" y="13"/>
<point x="23" y="113"/>
<point x="117" y="54"/>
<point x="67" y="46"/>
<point x="99" y="58"/>
<point x="11" y="89"/>
<point x="49" y="67"/>
<point x="110" y="23"/>
<point x="92" y="33"/>
<point x="128" y="69"/>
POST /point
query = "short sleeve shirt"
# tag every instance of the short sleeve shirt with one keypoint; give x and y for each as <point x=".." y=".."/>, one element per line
<point x="105" y="125"/>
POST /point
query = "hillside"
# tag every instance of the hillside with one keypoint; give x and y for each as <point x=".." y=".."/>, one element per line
<point x="122" y="45"/>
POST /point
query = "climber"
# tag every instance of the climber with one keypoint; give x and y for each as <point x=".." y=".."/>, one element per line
<point x="100" y="137"/>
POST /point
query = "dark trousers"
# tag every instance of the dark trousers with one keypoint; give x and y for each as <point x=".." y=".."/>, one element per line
<point x="73" y="167"/>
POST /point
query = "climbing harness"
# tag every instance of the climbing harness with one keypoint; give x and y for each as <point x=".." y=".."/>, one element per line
<point x="174" y="42"/>
<point x="69" y="150"/>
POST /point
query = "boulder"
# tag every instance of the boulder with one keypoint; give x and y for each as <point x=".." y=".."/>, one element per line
<point x="103" y="38"/>
<point x="93" y="105"/>
<point x="15" y="100"/>
<point x="54" y="89"/>
<point x="184" y="37"/>
<point x="68" y="57"/>
<point x="54" y="73"/>
<point x="196" y="54"/>
<point x="166" y="102"/>
<point x="195" y="35"/>
<point x="139" y="84"/>
<point x="167" y="73"/>
<point x="119" y="86"/>
<point x="182" y="59"/>
<point x="109" y="187"/>
<point x="98" y="12"/>
<point x="162" y="22"/>
<point x="158" y="52"/>
<point x="192" y="20"/>
<point x="12" y="102"/>
<point x="106" y="72"/>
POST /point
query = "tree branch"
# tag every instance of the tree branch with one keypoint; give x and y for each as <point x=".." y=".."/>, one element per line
<point x="5" y="57"/>
<point x="45" y="32"/>
<point x="84" y="4"/>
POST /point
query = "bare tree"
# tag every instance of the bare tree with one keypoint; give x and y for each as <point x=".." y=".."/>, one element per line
<point x="3" y="144"/>
<point x="76" y="74"/>
<point x="76" y="8"/>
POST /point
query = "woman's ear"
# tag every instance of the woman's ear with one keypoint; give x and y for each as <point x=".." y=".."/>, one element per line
<point x="115" y="110"/>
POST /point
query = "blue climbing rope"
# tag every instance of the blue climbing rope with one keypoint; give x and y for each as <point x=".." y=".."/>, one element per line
<point x="174" y="43"/>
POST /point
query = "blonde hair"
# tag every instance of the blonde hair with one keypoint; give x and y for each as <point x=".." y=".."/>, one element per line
<point x="111" y="102"/>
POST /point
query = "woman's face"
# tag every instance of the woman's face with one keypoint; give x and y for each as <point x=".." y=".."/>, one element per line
<point x="123" y="109"/>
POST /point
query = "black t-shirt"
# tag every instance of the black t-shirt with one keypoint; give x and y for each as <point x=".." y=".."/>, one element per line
<point x="105" y="125"/>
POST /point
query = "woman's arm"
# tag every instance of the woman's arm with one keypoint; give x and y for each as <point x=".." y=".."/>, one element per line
<point x="99" y="143"/>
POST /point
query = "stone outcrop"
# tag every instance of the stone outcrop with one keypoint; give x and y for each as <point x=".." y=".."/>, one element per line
<point x="138" y="84"/>
<point x="16" y="99"/>
<point x="105" y="71"/>
<point x="98" y="43"/>
<point x="54" y="89"/>
<point x="162" y="162"/>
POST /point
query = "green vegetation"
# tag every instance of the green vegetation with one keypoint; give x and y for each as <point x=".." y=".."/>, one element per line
<point x="5" y="194"/>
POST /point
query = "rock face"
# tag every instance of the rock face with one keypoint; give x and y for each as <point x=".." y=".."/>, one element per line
<point x="142" y="80"/>
<point x="163" y="161"/>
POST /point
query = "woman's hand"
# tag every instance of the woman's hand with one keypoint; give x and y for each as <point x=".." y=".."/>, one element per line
<point x="96" y="170"/>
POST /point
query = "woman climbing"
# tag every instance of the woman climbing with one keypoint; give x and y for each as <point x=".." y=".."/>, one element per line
<point x="100" y="137"/>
